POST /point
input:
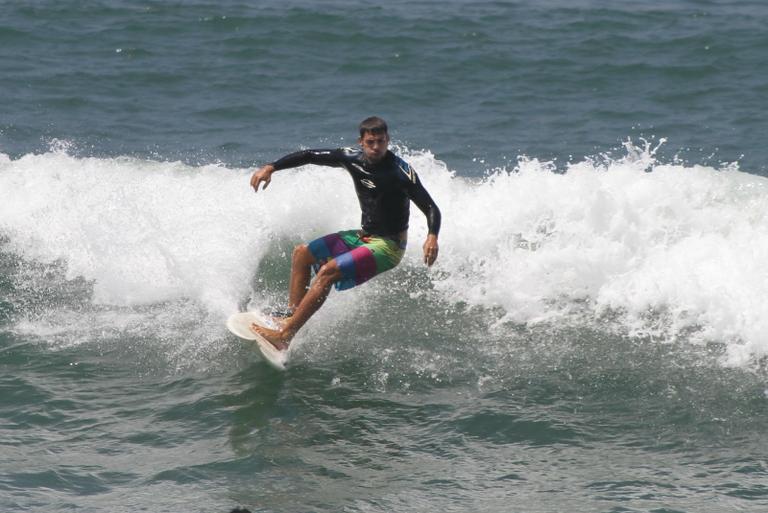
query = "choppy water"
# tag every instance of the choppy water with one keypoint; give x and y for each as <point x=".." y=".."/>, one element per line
<point x="594" y="335"/>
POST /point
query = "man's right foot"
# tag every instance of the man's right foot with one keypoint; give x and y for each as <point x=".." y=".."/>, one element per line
<point x="278" y="338"/>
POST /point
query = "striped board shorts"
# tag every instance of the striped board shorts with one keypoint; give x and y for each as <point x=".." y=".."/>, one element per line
<point x="359" y="256"/>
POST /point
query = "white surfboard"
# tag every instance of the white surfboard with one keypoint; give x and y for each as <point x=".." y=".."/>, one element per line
<point x="239" y="324"/>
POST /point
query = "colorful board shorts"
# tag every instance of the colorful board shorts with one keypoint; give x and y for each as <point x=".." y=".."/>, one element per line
<point x="359" y="256"/>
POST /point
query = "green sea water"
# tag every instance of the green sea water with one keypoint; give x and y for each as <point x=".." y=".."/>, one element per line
<point x="593" y="336"/>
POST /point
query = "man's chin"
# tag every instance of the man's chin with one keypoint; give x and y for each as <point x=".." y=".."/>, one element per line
<point x="373" y="159"/>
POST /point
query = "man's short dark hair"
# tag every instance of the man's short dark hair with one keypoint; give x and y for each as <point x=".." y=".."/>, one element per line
<point x="373" y="125"/>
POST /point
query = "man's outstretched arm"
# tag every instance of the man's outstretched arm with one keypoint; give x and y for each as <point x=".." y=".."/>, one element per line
<point x="263" y="175"/>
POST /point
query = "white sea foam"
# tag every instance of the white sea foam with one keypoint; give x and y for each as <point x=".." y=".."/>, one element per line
<point x="667" y="249"/>
<point x="670" y="249"/>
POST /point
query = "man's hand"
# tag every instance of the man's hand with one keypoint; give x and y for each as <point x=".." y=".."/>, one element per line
<point x="262" y="175"/>
<point x="430" y="249"/>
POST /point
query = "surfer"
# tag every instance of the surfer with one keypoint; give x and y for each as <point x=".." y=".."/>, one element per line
<point x="385" y="185"/>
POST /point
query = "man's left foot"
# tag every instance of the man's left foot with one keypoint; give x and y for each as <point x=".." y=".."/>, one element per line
<point x="278" y="320"/>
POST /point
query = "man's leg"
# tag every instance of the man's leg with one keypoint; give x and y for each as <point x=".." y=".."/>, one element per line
<point x="314" y="298"/>
<point x="301" y="272"/>
<point x="310" y="303"/>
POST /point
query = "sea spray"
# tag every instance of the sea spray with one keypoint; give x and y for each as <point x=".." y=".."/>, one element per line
<point x="670" y="251"/>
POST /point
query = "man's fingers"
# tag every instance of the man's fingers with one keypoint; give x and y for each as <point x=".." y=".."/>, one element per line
<point x="430" y="255"/>
<point x="263" y="175"/>
<point x="258" y="180"/>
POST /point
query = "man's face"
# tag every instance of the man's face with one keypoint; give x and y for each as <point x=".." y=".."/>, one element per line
<point x="374" y="146"/>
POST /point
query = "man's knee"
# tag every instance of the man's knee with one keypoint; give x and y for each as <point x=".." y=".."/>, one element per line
<point x="302" y="255"/>
<point x="329" y="274"/>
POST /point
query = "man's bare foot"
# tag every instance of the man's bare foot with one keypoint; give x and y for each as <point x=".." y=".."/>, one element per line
<point x="278" y="338"/>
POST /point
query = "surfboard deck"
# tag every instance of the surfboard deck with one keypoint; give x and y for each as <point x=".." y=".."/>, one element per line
<point x="239" y="324"/>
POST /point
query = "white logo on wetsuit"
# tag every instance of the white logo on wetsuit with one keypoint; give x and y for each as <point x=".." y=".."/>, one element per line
<point x="360" y="168"/>
<point x="368" y="184"/>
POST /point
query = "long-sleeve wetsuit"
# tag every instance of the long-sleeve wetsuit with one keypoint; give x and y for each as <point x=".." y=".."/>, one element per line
<point x="384" y="189"/>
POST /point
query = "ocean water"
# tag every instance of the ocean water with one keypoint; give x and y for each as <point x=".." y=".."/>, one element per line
<point x="593" y="337"/>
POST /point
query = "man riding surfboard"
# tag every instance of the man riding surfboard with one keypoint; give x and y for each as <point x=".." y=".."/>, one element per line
<point x="385" y="185"/>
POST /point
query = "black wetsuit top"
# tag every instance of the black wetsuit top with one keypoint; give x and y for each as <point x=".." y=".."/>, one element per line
<point x="383" y="189"/>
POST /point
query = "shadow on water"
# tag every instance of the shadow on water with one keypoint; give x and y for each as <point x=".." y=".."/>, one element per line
<point x="257" y="408"/>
